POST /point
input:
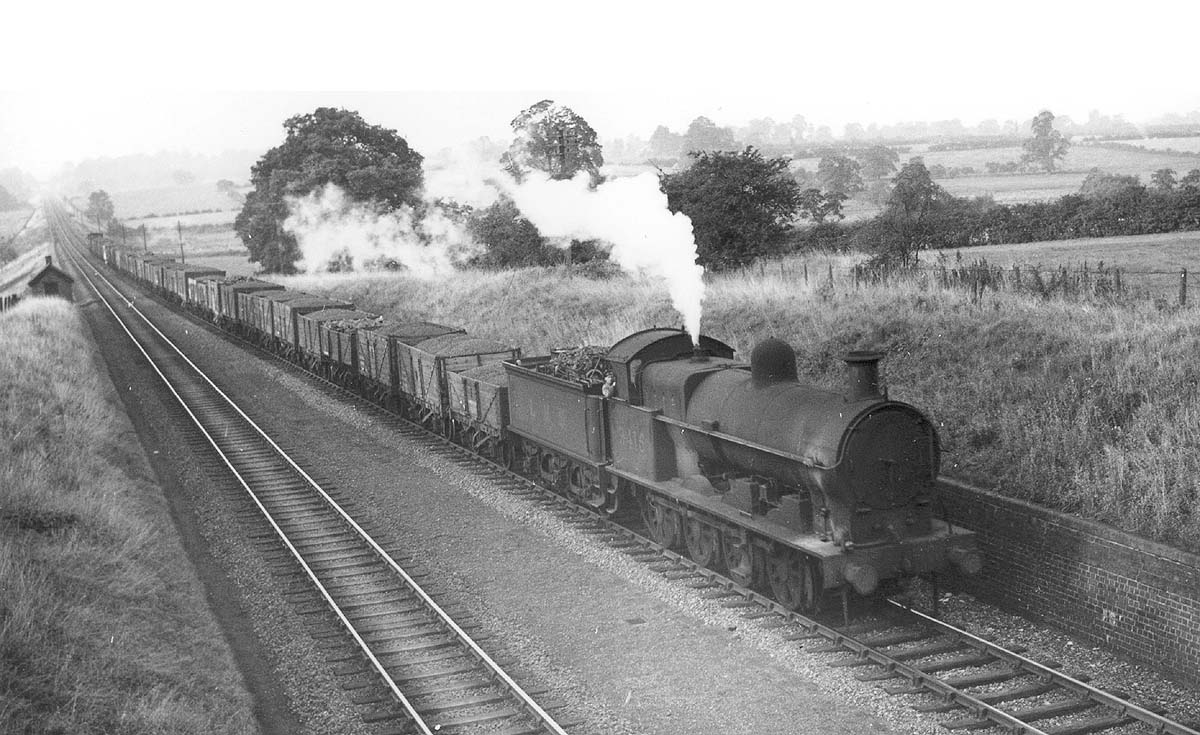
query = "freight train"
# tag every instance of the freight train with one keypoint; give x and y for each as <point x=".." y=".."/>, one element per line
<point x="782" y="486"/>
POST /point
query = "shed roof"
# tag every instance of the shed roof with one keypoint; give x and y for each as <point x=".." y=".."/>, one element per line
<point x="49" y="271"/>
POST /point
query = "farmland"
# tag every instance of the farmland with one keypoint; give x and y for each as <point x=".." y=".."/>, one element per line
<point x="1026" y="187"/>
<point x="168" y="200"/>
<point x="12" y="221"/>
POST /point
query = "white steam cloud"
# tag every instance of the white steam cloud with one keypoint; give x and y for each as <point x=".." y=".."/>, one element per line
<point x="630" y="215"/>
<point x="332" y="229"/>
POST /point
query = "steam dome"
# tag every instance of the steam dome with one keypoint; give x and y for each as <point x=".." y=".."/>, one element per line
<point x="772" y="361"/>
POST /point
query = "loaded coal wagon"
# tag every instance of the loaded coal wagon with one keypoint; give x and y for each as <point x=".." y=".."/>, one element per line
<point x="378" y="368"/>
<point x="326" y="341"/>
<point x="423" y="372"/>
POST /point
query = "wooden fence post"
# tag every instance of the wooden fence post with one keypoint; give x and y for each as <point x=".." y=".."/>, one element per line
<point x="806" y="274"/>
<point x="1183" y="287"/>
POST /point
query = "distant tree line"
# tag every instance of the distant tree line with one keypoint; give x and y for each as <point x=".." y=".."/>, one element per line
<point x="926" y="217"/>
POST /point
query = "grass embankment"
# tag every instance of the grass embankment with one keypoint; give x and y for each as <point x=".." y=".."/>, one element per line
<point x="104" y="627"/>
<point x="1088" y="408"/>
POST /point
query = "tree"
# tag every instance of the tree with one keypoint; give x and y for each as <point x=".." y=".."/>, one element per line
<point x="1164" y="179"/>
<point x="8" y="201"/>
<point x="906" y="215"/>
<point x="511" y="239"/>
<point x="664" y="144"/>
<point x="704" y="135"/>
<point x="878" y="161"/>
<point x="1191" y="180"/>
<point x="818" y="206"/>
<point x="1047" y="144"/>
<point x="1100" y="185"/>
<point x="741" y="204"/>
<point x="372" y="164"/>
<point x="840" y="175"/>
<point x="100" y="207"/>
<point x="553" y="139"/>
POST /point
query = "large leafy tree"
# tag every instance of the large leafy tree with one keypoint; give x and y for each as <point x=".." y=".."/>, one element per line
<point x="705" y="135"/>
<point x="100" y="208"/>
<point x="1047" y="144"/>
<point x="741" y="204"/>
<point x="552" y="138"/>
<point x="878" y="161"/>
<point x="908" y="214"/>
<point x="372" y="164"/>
<point x="840" y="175"/>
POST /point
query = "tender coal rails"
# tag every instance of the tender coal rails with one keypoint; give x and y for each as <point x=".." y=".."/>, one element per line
<point x="781" y="485"/>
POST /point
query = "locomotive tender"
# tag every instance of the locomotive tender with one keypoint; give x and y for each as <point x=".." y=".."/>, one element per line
<point x="779" y="484"/>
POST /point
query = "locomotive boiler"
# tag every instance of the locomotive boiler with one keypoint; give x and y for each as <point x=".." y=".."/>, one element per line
<point x="786" y="484"/>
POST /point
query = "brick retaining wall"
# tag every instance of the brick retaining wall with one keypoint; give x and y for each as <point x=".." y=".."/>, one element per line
<point x="1137" y="597"/>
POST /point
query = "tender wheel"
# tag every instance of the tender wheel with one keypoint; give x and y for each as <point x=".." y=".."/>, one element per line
<point x="703" y="544"/>
<point x="793" y="581"/>
<point x="662" y="522"/>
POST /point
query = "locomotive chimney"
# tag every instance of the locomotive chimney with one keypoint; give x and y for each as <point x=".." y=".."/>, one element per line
<point x="48" y="260"/>
<point x="862" y="376"/>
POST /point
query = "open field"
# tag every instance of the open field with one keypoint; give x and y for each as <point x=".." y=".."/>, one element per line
<point x="11" y="222"/>
<point x="1081" y="406"/>
<point x="15" y="274"/>
<point x="1190" y="144"/>
<point x="104" y="627"/>
<point x="1168" y="251"/>
<point x="223" y="217"/>
<point x="167" y="200"/>
<point x="234" y="264"/>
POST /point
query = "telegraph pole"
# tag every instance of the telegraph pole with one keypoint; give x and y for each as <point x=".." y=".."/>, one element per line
<point x="145" y="245"/>
<point x="179" y="227"/>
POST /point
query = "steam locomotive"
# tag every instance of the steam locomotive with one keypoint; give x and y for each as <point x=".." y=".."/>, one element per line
<point x="783" y="486"/>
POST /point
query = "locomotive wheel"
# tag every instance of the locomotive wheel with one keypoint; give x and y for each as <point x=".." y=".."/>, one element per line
<point x="662" y="523"/>
<point x="703" y="544"/>
<point x="793" y="581"/>
<point x="740" y="561"/>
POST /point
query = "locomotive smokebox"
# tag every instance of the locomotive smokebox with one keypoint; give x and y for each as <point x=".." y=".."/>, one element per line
<point x="772" y="361"/>
<point x="862" y="376"/>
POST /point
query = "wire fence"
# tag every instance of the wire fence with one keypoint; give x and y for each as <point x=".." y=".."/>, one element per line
<point x="1085" y="281"/>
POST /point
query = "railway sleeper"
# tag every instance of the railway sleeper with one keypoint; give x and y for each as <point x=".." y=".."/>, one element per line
<point x="960" y="662"/>
<point x="1028" y="714"/>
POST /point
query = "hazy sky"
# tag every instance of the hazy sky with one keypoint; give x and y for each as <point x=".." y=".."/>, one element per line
<point x="105" y="79"/>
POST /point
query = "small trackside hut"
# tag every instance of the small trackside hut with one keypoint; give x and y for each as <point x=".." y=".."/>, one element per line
<point x="50" y="281"/>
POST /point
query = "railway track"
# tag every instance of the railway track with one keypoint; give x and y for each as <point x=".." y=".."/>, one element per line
<point x="439" y="678"/>
<point x="978" y="684"/>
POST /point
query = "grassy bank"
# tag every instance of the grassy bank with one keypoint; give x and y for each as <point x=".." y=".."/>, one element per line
<point x="104" y="627"/>
<point x="1088" y="408"/>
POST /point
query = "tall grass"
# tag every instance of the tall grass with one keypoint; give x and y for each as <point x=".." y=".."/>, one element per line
<point x="103" y="625"/>
<point x="1084" y="406"/>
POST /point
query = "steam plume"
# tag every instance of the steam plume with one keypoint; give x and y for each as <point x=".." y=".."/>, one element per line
<point x="631" y="217"/>
<point x="331" y="229"/>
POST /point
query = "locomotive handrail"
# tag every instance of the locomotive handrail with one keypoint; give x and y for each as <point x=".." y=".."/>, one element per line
<point x="743" y="442"/>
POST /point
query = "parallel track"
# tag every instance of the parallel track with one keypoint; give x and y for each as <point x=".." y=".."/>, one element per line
<point x="441" y="680"/>
<point x="927" y="654"/>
